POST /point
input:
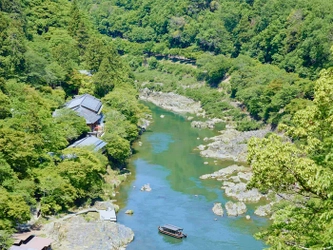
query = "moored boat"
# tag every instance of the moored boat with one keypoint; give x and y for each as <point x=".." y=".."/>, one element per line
<point x="172" y="230"/>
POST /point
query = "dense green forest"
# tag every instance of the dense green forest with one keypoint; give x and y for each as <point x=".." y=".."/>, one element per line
<point x="271" y="49"/>
<point x="268" y="56"/>
<point x="295" y="35"/>
<point x="43" y="44"/>
<point x="302" y="168"/>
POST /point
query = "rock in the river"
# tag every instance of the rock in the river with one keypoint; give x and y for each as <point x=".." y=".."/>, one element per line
<point x="234" y="185"/>
<point x="235" y="209"/>
<point x="217" y="209"/>
<point x="248" y="217"/>
<point x="129" y="211"/>
<point x="263" y="210"/>
<point x="239" y="192"/>
<point x="162" y="116"/>
<point x="77" y="234"/>
<point x="146" y="187"/>
<point x="201" y="147"/>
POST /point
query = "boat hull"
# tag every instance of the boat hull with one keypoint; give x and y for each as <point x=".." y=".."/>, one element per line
<point x="178" y="236"/>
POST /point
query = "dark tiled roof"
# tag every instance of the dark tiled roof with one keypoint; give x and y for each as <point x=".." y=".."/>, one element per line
<point x="90" y="116"/>
<point x="89" y="141"/>
<point x="86" y="106"/>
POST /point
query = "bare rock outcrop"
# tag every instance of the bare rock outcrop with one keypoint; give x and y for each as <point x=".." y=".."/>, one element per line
<point x="171" y="101"/>
<point x="231" y="144"/>
<point x="78" y="233"/>
<point x="217" y="209"/>
<point x="146" y="188"/>
<point x="206" y="124"/>
<point x="240" y="192"/>
<point x="235" y="209"/>
<point x="235" y="179"/>
<point x="224" y="173"/>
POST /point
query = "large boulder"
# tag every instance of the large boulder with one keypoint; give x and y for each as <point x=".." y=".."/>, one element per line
<point x="217" y="209"/>
<point x="146" y="188"/>
<point x="235" y="209"/>
<point x="77" y="233"/>
<point x="235" y="179"/>
<point x="129" y="211"/>
<point x="241" y="193"/>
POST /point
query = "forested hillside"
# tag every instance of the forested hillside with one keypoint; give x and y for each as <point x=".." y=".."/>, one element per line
<point x="289" y="43"/>
<point x="295" y="35"/>
<point x="267" y="55"/>
<point x="43" y="45"/>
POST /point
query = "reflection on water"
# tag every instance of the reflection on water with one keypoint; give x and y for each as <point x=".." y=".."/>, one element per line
<point x="159" y="142"/>
<point x="168" y="161"/>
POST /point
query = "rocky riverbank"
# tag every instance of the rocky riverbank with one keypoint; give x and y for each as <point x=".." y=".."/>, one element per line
<point x="229" y="145"/>
<point x="234" y="180"/>
<point x="171" y="101"/>
<point x="86" y="229"/>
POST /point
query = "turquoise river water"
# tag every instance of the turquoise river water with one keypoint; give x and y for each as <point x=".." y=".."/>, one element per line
<point x="168" y="161"/>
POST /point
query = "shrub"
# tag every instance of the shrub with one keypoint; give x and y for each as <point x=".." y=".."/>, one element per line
<point x="247" y="125"/>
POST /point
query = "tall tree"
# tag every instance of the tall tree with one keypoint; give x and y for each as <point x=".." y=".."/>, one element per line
<point x="77" y="26"/>
<point x="303" y="169"/>
<point x="111" y="72"/>
<point x="94" y="53"/>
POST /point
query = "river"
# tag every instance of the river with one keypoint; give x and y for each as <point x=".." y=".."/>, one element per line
<point x="168" y="161"/>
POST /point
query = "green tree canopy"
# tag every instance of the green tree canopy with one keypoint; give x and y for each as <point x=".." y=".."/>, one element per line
<point x="303" y="169"/>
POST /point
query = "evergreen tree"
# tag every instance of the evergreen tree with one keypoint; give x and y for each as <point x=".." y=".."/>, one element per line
<point x="77" y="27"/>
